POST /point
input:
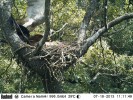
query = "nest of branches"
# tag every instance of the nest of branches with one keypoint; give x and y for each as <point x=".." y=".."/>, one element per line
<point x="59" y="56"/>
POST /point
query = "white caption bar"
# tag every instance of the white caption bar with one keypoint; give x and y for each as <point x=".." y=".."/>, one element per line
<point x="67" y="96"/>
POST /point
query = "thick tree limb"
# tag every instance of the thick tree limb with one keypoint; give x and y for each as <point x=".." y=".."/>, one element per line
<point x="23" y="51"/>
<point x="47" y="25"/>
<point x="86" y="20"/>
<point x="35" y="13"/>
<point x="91" y="40"/>
<point x="9" y="33"/>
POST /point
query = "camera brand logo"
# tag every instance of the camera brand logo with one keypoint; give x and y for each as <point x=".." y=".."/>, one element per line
<point x="16" y="96"/>
<point x="6" y="96"/>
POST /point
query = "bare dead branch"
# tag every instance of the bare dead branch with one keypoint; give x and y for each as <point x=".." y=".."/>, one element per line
<point x="103" y="74"/>
<point x="59" y="29"/>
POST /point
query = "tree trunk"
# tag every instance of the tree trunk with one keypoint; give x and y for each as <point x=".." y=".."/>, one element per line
<point x="24" y="51"/>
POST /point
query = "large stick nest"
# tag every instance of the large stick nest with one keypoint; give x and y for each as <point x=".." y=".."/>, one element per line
<point x="59" y="56"/>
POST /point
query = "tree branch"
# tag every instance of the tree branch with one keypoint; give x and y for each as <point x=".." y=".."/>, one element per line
<point x="86" y="21"/>
<point x="54" y="32"/>
<point x="105" y="13"/>
<point x="103" y="74"/>
<point x="35" y="13"/>
<point x="47" y="25"/>
<point x="91" y="40"/>
<point x="23" y="50"/>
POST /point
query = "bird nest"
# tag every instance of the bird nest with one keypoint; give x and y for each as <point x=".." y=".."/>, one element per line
<point x="59" y="56"/>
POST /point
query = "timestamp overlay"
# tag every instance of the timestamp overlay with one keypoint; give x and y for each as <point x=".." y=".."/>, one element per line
<point x="67" y="96"/>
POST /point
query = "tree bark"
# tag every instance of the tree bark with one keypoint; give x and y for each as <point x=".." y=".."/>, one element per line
<point x="91" y="40"/>
<point x="86" y="20"/>
<point x="47" y="29"/>
<point x="35" y="13"/>
<point x="24" y="51"/>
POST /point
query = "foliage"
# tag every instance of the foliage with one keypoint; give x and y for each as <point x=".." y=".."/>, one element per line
<point x="110" y="70"/>
<point x="14" y="78"/>
<point x="107" y="67"/>
<point x="63" y="13"/>
<point x="122" y="41"/>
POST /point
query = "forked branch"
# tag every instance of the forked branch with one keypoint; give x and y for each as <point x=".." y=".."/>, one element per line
<point x="91" y="40"/>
